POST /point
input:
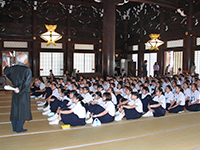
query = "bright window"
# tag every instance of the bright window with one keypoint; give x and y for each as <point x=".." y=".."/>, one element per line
<point x="198" y="41"/>
<point x="174" y="43"/>
<point x="135" y="59"/>
<point x="178" y="61"/>
<point x="147" y="47"/>
<point x="51" y="61"/>
<point x="84" y="46"/>
<point x="135" y="48"/>
<point x="151" y="59"/>
<point x="84" y="62"/>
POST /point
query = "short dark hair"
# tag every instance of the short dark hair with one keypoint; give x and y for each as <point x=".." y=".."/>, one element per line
<point x="146" y="89"/>
<point x="135" y="93"/>
<point x="87" y="88"/>
<point x="98" y="94"/>
<point x="108" y="96"/>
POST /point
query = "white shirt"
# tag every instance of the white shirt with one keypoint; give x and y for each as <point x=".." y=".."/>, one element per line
<point x="135" y="90"/>
<point x="131" y="102"/>
<point x="164" y="85"/>
<point x="106" y="86"/>
<point x="42" y="86"/>
<point x="114" y="99"/>
<point x="69" y="86"/>
<point x="83" y="95"/>
<point x="139" y="104"/>
<point x="187" y="93"/>
<point x="127" y="97"/>
<point x="180" y="97"/>
<point x="160" y="99"/>
<point x="82" y="85"/>
<point x="195" y="96"/>
<point x="63" y="84"/>
<point x="178" y="82"/>
<point x="118" y="90"/>
<point x="100" y="102"/>
<point x="56" y="93"/>
<point x="37" y="83"/>
<point x="92" y="89"/>
<point x="173" y="91"/>
<point x="87" y="98"/>
<point x="137" y="87"/>
<point x="116" y="83"/>
<point x="110" y="107"/>
<point x="79" y="110"/>
<point x="169" y="97"/>
<point x="149" y="87"/>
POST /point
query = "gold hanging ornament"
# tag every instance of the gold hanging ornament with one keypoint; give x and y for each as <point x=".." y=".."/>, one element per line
<point x="51" y="36"/>
<point x="154" y="43"/>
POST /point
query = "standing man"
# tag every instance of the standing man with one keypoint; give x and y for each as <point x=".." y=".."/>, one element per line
<point x="144" y="68"/>
<point x="20" y="76"/>
<point x="123" y="74"/>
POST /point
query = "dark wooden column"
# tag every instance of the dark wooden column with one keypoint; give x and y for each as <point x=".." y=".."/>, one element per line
<point x="141" y="46"/>
<point x="109" y="37"/>
<point x="160" y="54"/>
<point x="1" y="45"/>
<point x="69" y="54"/>
<point x="99" y="57"/>
<point x="35" y="52"/>
<point x="125" y="39"/>
<point x="99" y="46"/>
<point x="188" y="52"/>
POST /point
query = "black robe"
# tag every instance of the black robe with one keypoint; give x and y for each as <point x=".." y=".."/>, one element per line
<point x="20" y="76"/>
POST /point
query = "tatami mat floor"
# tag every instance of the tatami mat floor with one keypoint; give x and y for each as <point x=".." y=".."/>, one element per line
<point x="172" y="132"/>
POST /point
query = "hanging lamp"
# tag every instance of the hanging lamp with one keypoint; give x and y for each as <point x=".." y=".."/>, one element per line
<point x="154" y="43"/>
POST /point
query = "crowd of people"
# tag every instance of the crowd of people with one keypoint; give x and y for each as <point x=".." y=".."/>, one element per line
<point x="98" y="100"/>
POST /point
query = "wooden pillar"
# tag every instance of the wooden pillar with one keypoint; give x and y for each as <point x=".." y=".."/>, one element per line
<point x="187" y="53"/>
<point x="160" y="54"/>
<point x="99" y="57"/>
<point x="125" y="39"/>
<point x="1" y="61"/>
<point x="141" y="46"/>
<point x="99" y="46"/>
<point x="69" y="53"/>
<point x="35" y="52"/>
<point x="109" y="37"/>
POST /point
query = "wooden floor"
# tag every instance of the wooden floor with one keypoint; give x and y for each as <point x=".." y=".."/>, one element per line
<point x="172" y="132"/>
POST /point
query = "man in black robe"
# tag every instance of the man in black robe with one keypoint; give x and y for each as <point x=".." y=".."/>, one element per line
<point x="144" y="68"/>
<point x="20" y="76"/>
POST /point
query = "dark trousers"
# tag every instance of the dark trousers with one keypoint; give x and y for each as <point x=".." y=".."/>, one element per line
<point x="17" y="125"/>
<point x="155" y="73"/>
<point x="132" y="114"/>
<point x="176" y="109"/>
<point x="104" y="119"/>
<point x="158" y="111"/>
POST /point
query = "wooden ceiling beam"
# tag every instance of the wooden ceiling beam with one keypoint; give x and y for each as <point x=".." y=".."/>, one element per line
<point x="163" y="3"/>
<point x="72" y="2"/>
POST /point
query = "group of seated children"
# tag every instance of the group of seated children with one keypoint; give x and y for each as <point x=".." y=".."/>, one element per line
<point x="99" y="101"/>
